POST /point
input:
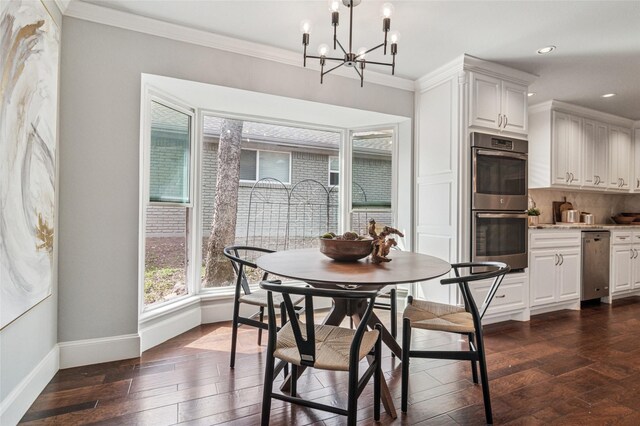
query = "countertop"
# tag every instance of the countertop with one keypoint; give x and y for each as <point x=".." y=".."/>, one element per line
<point x="609" y="226"/>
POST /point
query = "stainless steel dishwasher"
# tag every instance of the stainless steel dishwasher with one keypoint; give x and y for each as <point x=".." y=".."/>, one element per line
<point x="595" y="264"/>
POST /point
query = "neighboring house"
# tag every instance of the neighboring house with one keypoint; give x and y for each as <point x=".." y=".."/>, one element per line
<point x="290" y="155"/>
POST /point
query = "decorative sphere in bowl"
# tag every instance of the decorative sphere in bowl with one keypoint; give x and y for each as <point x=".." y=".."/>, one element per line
<point x="345" y="250"/>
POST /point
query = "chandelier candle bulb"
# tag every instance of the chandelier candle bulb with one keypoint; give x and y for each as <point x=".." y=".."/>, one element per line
<point x="349" y="58"/>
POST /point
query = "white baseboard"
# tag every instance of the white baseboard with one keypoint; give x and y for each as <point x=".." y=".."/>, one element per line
<point x="152" y="333"/>
<point x="95" y="351"/>
<point x="16" y="404"/>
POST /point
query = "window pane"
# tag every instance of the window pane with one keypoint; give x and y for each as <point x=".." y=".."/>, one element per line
<point x="371" y="170"/>
<point x="334" y="178"/>
<point x="169" y="155"/>
<point x="274" y="165"/>
<point x="248" y="165"/>
<point x="165" y="275"/>
<point x="334" y="164"/>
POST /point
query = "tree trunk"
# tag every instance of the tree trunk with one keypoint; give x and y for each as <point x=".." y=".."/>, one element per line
<point x="218" y="270"/>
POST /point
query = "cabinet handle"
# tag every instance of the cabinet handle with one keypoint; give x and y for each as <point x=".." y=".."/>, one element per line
<point x="619" y="182"/>
<point x="636" y="252"/>
<point x="499" y="120"/>
<point x="597" y="180"/>
<point x="557" y="259"/>
<point x="506" y="120"/>
<point x="623" y="182"/>
<point x="566" y="179"/>
<point x="502" y="296"/>
<point x="631" y="251"/>
<point x="637" y="183"/>
<point x="572" y="178"/>
<point x="561" y="259"/>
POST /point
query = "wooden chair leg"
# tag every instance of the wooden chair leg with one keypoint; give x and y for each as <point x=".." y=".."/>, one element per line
<point x="234" y="333"/>
<point x="377" y="377"/>
<point x="406" y="348"/>
<point x="293" y="390"/>
<point x="394" y="313"/>
<point x="260" y="330"/>
<point x="283" y="321"/>
<point x="352" y="401"/>
<point x="267" y="389"/>
<point x="474" y="368"/>
<point x="484" y="377"/>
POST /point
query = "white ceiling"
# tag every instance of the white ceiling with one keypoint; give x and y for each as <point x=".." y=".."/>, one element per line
<point x="598" y="42"/>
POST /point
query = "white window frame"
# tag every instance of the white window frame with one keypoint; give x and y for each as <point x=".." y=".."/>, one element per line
<point x="348" y="164"/>
<point x="151" y="94"/>
<point x="336" y="157"/>
<point x="169" y="102"/>
<point x="258" y="151"/>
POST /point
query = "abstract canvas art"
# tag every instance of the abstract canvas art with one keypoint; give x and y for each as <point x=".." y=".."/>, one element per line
<point x="29" y="47"/>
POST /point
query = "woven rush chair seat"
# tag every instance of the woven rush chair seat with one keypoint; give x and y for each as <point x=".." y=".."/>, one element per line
<point x="259" y="298"/>
<point x="439" y="316"/>
<point x="332" y="346"/>
<point x="424" y="314"/>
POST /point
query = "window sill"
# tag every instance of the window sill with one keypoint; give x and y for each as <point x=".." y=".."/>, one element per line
<point x="168" y="309"/>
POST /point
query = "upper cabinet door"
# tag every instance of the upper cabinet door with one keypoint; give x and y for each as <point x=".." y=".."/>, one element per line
<point x="485" y="101"/>
<point x="589" y="149"/>
<point x="560" y="146"/>
<point x="601" y="155"/>
<point x="514" y="107"/>
<point x="620" y="158"/>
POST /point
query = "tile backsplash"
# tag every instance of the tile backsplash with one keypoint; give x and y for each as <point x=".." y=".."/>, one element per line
<point x="603" y="206"/>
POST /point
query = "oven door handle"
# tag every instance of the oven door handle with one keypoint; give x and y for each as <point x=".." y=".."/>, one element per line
<point x="501" y="154"/>
<point x="501" y="215"/>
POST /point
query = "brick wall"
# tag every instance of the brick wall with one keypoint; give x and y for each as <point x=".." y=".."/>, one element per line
<point x="307" y="217"/>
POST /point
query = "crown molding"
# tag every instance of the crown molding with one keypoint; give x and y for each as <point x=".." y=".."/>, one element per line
<point x="555" y="105"/>
<point x="115" y="18"/>
<point x="472" y="64"/>
<point x="63" y="5"/>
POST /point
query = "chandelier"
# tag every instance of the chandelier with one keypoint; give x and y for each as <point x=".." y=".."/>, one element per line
<point x="358" y="60"/>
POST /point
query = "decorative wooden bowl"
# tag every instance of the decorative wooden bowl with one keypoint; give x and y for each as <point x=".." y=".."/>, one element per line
<point x="345" y="250"/>
<point x="623" y="220"/>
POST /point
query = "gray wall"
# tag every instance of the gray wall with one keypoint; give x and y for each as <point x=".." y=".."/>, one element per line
<point x="26" y="341"/>
<point x="99" y="154"/>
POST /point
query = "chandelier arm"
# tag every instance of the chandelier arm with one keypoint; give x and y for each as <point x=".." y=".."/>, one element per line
<point x="340" y="44"/>
<point x="328" y="58"/>
<point x="372" y="49"/>
<point x="375" y="63"/>
<point x="358" y="71"/>
<point x="331" y="69"/>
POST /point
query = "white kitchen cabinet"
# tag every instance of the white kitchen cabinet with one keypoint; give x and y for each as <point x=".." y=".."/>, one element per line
<point x="566" y="150"/>
<point x="554" y="268"/>
<point x="512" y="295"/>
<point x="595" y="154"/>
<point x="542" y="276"/>
<point x="498" y="104"/>
<point x="575" y="147"/>
<point x="620" y="158"/>
<point x="625" y="262"/>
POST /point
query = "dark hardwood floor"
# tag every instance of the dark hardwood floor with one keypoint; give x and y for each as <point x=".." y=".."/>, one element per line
<point x="566" y="367"/>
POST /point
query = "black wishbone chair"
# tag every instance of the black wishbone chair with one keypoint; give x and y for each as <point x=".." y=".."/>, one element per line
<point x="323" y="347"/>
<point x="453" y="319"/>
<point x="243" y="294"/>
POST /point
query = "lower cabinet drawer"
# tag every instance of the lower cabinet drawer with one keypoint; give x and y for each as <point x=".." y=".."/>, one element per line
<point x="510" y="295"/>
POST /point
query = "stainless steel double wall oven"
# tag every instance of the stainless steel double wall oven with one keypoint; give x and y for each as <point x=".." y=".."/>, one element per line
<point x="499" y="199"/>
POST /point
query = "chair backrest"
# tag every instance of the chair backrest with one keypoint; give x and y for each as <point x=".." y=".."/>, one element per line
<point x="496" y="270"/>
<point x="306" y="345"/>
<point x="240" y="261"/>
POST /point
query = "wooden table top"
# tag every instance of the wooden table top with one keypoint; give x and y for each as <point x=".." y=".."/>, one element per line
<point x="311" y="266"/>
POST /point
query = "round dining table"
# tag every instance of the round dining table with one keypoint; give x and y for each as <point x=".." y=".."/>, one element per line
<point x="314" y="268"/>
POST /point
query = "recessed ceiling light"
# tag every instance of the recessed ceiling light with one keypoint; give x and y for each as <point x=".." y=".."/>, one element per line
<point x="546" y="49"/>
<point x="530" y="94"/>
<point x="608" y="95"/>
